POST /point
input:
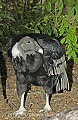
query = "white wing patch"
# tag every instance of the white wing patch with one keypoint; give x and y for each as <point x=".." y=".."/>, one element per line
<point x="15" y="51"/>
<point x="60" y="69"/>
<point x="40" y="50"/>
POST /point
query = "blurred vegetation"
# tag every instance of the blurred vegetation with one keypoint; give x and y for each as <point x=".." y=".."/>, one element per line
<point x="57" y="18"/>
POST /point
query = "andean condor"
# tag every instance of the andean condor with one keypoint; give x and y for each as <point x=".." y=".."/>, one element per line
<point x="37" y="60"/>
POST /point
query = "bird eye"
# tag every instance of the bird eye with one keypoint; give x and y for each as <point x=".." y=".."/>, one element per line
<point x="28" y="41"/>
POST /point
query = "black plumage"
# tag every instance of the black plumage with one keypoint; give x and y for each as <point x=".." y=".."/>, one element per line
<point x="38" y="60"/>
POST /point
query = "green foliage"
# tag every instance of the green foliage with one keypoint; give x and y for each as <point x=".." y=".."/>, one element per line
<point x="55" y="17"/>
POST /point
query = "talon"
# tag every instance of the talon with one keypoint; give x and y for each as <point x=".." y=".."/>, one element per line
<point x="19" y="112"/>
<point x="46" y="109"/>
<point x="47" y="106"/>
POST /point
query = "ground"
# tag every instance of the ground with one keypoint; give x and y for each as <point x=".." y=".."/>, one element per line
<point x="36" y="98"/>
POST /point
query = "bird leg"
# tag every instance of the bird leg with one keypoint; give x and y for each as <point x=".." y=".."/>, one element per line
<point x="22" y="109"/>
<point x="47" y="106"/>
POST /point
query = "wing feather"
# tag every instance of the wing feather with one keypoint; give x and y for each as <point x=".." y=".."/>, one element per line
<point x="55" y="65"/>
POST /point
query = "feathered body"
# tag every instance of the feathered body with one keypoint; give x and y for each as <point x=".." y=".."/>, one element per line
<point x="38" y="60"/>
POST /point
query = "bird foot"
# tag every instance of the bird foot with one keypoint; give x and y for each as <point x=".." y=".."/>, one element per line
<point x="19" y="112"/>
<point x="47" y="108"/>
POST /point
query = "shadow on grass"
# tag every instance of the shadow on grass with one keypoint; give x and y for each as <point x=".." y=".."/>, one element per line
<point x="70" y="64"/>
<point x="3" y="73"/>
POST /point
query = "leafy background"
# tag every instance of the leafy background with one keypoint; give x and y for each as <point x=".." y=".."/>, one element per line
<point x="57" y="18"/>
